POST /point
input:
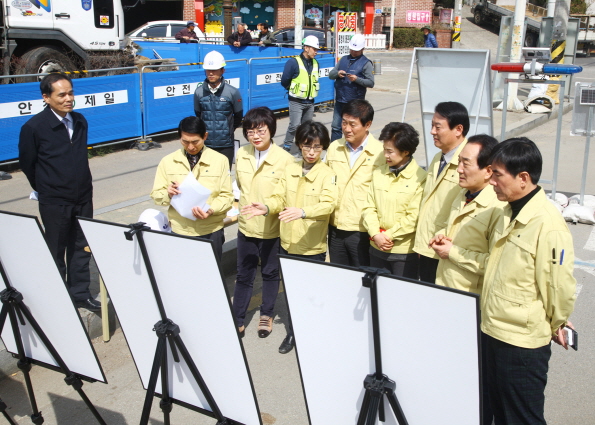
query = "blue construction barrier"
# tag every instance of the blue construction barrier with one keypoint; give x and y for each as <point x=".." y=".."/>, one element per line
<point x="195" y="52"/>
<point x="181" y="52"/>
<point x="169" y="96"/>
<point x="111" y="106"/>
<point x="266" y="88"/>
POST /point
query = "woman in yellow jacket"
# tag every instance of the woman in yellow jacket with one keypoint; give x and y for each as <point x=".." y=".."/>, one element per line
<point x="210" y="168"/>
<point x="394" y="198"/>
<point x="259" y="167"/>
<point x="304" y="199"/>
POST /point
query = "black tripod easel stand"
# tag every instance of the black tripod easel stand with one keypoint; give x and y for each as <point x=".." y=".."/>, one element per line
<point x="168" y="332"/>
<point x="377" y="384"/>
<point x="14" y="308"/>
<point x="3" y="407"/>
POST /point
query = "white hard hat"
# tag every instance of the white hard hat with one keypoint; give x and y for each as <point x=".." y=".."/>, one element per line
<point x="357" y="42"/>
<point x="156" y="220"/>
<point x="213" y="60"/>
<point x="311" y="41"/>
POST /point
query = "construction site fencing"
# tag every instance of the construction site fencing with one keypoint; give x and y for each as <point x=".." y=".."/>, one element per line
<point x="141" y="104"/>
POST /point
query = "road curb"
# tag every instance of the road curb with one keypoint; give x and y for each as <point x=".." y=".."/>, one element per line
<point x="532" y="122"/>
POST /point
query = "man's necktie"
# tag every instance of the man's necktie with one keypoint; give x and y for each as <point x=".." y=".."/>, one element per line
<point x="65" y="121"/>
<point x="442" y="164"/>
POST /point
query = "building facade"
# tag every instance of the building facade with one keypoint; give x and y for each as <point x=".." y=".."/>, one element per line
<point x="317" y="13"/>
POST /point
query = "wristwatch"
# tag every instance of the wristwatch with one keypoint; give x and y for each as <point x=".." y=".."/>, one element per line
<point x="303" y="214"/>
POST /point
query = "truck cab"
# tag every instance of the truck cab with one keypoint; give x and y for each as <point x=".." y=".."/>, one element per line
<point x="53" y="35"/>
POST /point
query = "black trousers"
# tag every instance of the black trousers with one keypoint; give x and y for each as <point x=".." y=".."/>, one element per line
<point x="218" y="239"/>
<point x="407" y="267"/>
<point x="250" y="250"/>
<point x="65" y="238"/>
<point x="516" y="382"/>
<point x="348" y="248"/>
<point x="427" y="269"/>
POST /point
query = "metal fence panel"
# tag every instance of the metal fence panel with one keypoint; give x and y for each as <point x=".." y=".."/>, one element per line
<point x="111" y="106"/>
<point x="181" y="52"/>
<point x="169" y="96"/>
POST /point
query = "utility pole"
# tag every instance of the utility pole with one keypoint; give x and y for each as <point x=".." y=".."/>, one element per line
<point x="558" y="46"/>
<point x="299" y="18"/>
<point x="392" y="26"/>
<point x="514" y="104"/>
<point x="456" y="35"/>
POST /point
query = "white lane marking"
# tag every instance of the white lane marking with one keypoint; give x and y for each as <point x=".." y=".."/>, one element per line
<point x="579" y="287"/>
<point x="590" y="245"/>
<point x="390" y="68"/>
<point x="587" y="266"/>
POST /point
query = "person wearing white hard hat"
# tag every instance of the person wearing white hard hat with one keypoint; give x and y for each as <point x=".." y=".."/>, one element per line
<point x="300" y="78"/>
<point x="353" y="75"/>
<point x="219" y="105"/>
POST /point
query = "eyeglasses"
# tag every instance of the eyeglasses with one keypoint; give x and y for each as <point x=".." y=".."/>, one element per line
<point x="260" y="131"/>
<point x="315" y="148"/>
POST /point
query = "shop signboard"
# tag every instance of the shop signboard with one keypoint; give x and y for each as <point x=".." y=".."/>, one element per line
<point x="419" y="17"/>
<point x="345" y="28"/>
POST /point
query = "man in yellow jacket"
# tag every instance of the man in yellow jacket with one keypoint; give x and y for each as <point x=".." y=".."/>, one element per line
<point x="450" y="125"/>
<point x="529" y="288"/>
<point x="464" y="245"/>
<point x="353" y="158"/>
<point x="210" y="168"/>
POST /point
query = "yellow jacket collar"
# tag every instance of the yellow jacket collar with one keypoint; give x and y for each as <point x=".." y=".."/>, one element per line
<point x="533" y="206"/>
<point x="205" y="158"/>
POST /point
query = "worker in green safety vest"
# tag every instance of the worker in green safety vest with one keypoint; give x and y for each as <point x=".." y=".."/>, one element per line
<point x="300" y="78"/>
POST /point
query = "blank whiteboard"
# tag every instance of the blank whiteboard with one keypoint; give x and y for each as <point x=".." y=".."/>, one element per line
<point x="31" y="270"/>
<point x="453" y="75"/>
<point x="429" y="338"/>
<point x="194" y="297"/>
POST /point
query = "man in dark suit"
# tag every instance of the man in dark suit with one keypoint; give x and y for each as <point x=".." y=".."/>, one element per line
<point x="53" y="156"/>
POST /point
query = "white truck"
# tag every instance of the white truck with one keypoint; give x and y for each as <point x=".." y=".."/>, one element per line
<point x="485" y="11"/>
<point x="59" y="35"/>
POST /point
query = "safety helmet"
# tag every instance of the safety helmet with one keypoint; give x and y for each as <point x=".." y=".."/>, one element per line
<point x="213" y="60"/>
<point x="156" y="220"/>
<point x="311" y="41"/>
<point x="357" y="42"/>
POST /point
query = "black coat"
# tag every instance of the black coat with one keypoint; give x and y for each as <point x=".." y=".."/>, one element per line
<point x="56" y="167"/>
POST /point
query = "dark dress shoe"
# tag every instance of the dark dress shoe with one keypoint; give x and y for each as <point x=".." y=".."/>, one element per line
<point x="90" y="304"/>
<point x="287" y="344"/>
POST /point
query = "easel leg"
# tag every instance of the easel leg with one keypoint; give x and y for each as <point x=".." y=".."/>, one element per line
<point x="3" y="409"/>
<point x="396" y="406"/>
<point x="23" y="364"/>
<point x="70" y="379"/>
<point x="157" y="361"/>
<point x="201" y="383"/>
<point x="77" y="384"/>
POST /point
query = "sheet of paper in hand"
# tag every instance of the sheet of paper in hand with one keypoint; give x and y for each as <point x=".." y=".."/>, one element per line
<point x="193" y="194"/>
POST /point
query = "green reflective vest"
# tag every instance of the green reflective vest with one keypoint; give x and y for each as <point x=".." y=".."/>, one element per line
<point x="305" y="86"/>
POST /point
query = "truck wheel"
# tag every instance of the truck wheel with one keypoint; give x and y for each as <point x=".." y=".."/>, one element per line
<point x="477" y="18"/>
<point x="41" y="60"/>
<point x="530" y="40"/>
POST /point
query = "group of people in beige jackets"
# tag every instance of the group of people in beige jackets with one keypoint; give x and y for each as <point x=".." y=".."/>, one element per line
<point x="475" y="220"/>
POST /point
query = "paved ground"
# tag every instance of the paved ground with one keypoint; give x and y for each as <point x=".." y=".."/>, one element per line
<point x="122" y="182"/>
